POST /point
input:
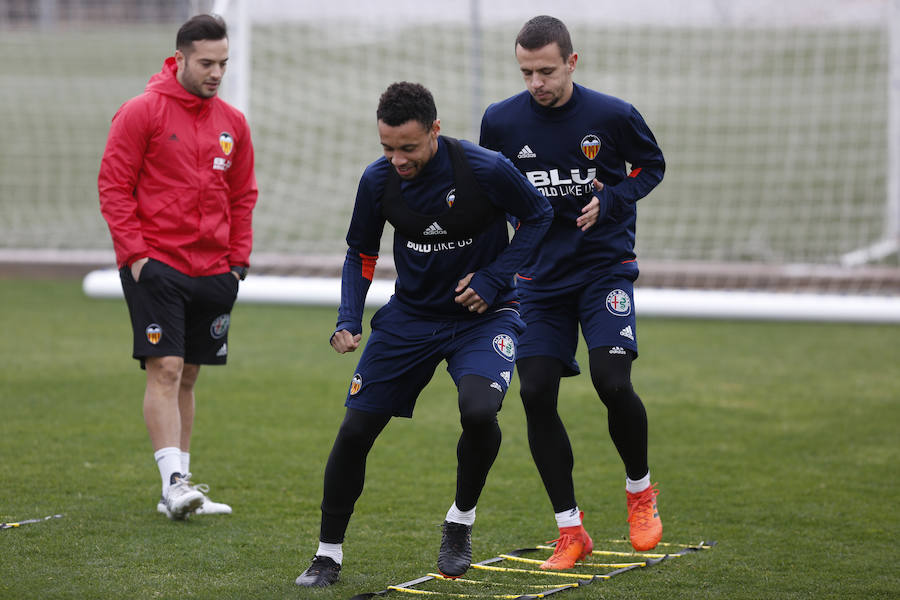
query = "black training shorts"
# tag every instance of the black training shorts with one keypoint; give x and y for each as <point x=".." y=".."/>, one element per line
<point x="173" y="314"/>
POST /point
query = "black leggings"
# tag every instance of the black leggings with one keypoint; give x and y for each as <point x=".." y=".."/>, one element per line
<point x="345" y="471"/>
<point x="539" y="378"/>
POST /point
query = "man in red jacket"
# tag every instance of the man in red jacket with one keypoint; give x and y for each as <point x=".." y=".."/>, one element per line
<point x="177" y="189"/>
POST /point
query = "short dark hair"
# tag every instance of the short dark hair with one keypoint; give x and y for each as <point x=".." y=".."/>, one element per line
<point x="542" y="30"/>
<point x="200" y="27"/>
<point x="405" y="101"/>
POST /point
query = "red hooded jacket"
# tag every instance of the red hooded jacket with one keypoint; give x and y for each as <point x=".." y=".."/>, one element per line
<point x="176" y="180"/>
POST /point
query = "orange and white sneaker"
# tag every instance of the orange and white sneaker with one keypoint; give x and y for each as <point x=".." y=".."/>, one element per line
<point x="645" y="526"/>
<point x="573" y="545"/>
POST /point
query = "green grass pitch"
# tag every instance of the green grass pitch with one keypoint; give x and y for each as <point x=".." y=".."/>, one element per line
<point x="777" y="440"/>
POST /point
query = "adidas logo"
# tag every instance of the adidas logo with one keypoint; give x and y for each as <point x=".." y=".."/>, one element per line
<point x="526" y="152"/>
<point x="506" y="375"/>
<point x="617" y="350"/>
<point x="434" y="229"/>
<point x="627" y="332"/>
<point x="223" y="351"/>
<point x="496" y="386"/>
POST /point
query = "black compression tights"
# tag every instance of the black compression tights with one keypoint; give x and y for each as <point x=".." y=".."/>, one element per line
<point x="627" y="420"/>
<point x="345" y="470"/>
<point x="626" y="416"/>
<point x="480" y="439"/>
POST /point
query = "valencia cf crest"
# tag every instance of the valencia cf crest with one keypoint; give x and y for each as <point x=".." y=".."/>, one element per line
<point x="219" y="326"/>
<point x="227" y="142"/>
<point x="618" y="303"/>
<point x="590" y="146"/>
<point x="505" y="347"/>
<point x="451" y="197"/>
<point x="154" y="333"/>
<point x="355" y="384"/>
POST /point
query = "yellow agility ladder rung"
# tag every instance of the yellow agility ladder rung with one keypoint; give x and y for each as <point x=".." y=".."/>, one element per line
<point x="532" y="571"/>
<point x="580" y="564"/>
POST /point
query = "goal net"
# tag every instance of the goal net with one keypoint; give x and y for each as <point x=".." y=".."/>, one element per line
<point x="778" y="120"/>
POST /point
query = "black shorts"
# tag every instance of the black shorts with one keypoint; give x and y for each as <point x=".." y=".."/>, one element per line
<point x="173" y="314"/>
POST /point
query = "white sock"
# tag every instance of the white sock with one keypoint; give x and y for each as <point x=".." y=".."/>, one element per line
<point x="568" y="518"/>
<point x="168" y="460"/>
<point x="333" y="551"/>
<point x="185" y="462"/>
<point x="637" y="486"/>
<point x="467" y="517"/>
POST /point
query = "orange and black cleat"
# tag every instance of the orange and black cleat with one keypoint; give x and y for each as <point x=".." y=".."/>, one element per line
<point x="573" y="545"/>
<point x="645" y="526"/>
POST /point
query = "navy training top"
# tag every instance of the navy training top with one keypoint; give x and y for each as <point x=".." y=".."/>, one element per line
<point x="561" y="150"/>
<point x="428" y="273"/>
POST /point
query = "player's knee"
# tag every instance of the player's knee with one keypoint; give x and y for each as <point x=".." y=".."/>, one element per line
<point x="529" y="389"/>
<point x="164" y="370"/>
<point x="189" y="375"/>
<point x="359" y="429"/>
<point x="539" y="399"/>
<point x="538" y="384"/>
<point x="611" y="376"/>
<point x="475" y="417"/>
<point x="614" y="393"/>
<point x="479" y="401"/>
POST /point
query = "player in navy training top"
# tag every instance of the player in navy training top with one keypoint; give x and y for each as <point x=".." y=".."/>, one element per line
<point x="455" y="299"/>
<point x="575" y="145"/>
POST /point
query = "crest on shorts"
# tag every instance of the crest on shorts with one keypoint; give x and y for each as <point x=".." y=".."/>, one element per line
<point x="618" y="303"/>
<point x="590" y="146"/>
<point x="154" y="333"/>
<point x="505" y="347"/>
<point x="355" y="384"/>
<point x="451" y="197"/>
<point x="219" y="326"/>
<point x="226" y="142"/>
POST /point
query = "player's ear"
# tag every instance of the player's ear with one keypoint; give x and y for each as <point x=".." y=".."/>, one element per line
<point x="436" y="127"/>
<point x="573" y="58"/>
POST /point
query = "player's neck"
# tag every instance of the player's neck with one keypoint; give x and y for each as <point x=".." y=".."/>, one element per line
<point x="567" y="97"/>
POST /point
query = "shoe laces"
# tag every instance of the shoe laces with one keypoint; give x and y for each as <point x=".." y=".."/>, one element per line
<point x="640" y="507"/>
<point x="318" y="561"/>
<point x="322" y="563"/>
<point x="563" y="542"/>
<point x="182" y="483"/>
<point x="200" y="487"/>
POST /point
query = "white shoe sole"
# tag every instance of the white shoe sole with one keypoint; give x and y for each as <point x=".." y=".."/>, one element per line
<point x="208" y="507"/>
<point x="213" y="508"/>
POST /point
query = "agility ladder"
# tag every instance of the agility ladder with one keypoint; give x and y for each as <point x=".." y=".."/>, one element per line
<point x="574" y="580"/>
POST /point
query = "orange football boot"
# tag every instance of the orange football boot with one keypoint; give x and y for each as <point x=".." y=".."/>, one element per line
<point x="573" y="545"/>
<point x="645" y="526"/>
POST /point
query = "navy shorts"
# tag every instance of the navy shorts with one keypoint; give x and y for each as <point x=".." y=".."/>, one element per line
<point x="173" y="314"/>
<point x="603" y="308"/>
<point x="403" y="352"/>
